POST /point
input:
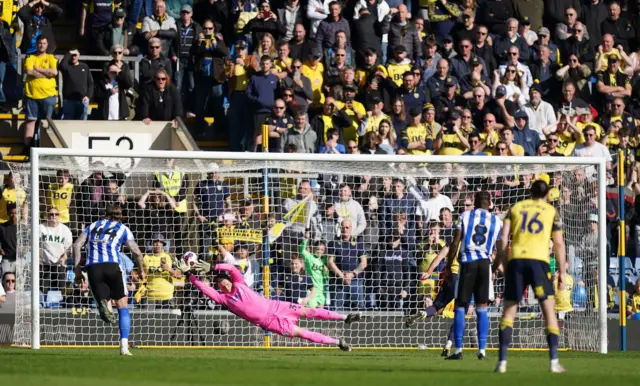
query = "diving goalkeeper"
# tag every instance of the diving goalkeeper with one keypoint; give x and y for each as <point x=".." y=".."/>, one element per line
<point x="272" y="315"/>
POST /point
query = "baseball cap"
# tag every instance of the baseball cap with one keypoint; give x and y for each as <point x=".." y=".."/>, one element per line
<point x="349" y="87"/>
<point x="186" y="8"/>
<point x="447" y="38"/>
<point x="525" y="20"/>
<point x="119" y="12"/>
<point x="450" y="82"/>
<point x="613" y="58"/>
<point x="544" y="31"/>
<point x="241" y="44"/>
<point x="501" y="90"/>
<point x="415" y="112"/>
<point x="316" y="53"/>
<point x="475" y="61"/>
<point x="400" y="48"/>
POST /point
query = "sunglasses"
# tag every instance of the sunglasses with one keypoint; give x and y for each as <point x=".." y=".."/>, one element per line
<point x="115" y="52"/>
<point x="352" y="147"/>
<point x="511" y="71"/>
<point x="513" y="53"/>
<point x="488" y="121"/>
<point x="466" y="117"/>
<point x="465" y="46"/>
<point x="617" y="105"/>
<point x="554" y="140"/>
<point x="279" y="107"/>
<point x="297" y="67"/>
<point x="161" y="79"/>
<point x="288" y="95"/>
<point x="569" y="14"/>
<point x="579" y="30"/>
<point x="9" y="281"/>
<point x="53" y="214"/>
<point x="502" y="148"/>
<point x="155" y="47"/>
<point x="341" y="55"/>
<point x="207" y="28"/>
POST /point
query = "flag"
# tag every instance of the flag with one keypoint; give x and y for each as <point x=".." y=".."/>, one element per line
<point x="299" y="214"/>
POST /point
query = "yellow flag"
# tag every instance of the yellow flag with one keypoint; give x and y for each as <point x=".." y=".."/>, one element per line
<point x="299" y="214"/>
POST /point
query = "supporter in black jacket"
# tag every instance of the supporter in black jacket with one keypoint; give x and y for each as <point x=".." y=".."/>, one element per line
<point x="161" y="101"/>
<point x="618" y="26"/>
<point x="216" y="11"/>
<point x="78" y="86"/>
<point x="494" y="14"/>
<point x="38" y="14"/>
<point x="368" y="31"/>
<point x="594" y="12"/>
<point x="299" y="45"/>
<point x="104" y="38"/>
<point x="578" y="45"/>
<point x="116" y="80"/>
<point x="554" y="11"/>
<point x="260" y="24"/>
<point x="152" y="62"/>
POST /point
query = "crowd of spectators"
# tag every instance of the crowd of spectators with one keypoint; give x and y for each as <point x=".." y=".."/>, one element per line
<point x="431" y="77"/>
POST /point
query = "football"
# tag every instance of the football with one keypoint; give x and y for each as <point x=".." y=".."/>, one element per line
<point x="190" y="258"/>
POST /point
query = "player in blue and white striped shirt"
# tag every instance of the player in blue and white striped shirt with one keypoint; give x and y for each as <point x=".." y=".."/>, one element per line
<point x="105" y="239"/>
<point x="477" y="233"/>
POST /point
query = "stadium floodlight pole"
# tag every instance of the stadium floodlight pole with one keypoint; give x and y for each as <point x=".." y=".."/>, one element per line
<point x="35" y="249"/>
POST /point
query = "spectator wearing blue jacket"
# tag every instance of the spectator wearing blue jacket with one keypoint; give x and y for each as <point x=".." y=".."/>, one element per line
<point x="524" y="136"/>
<point x="261" y="91"/>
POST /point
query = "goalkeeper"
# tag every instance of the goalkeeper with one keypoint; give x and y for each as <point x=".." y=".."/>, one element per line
<point x="272" y="315"/>
<point x="315" y="266"/>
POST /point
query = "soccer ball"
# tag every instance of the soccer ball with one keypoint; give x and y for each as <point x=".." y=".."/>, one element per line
<point x="190" y="258"/>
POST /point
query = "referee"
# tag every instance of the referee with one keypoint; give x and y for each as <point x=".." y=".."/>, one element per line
<point x="105" y="239"/>
<point x="476" y="235"/>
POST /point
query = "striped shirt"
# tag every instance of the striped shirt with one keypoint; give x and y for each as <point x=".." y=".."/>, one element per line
<point x="105" y="240"/>
<point x="480" y="230"/>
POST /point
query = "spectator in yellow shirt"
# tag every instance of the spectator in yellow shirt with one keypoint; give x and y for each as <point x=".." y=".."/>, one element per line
<point x="314" y="70"/>
<point x="513" y="149"/>
<point x="159" y="267"/>
<point x="40" y="87"/>
<point x="633" y="309"/>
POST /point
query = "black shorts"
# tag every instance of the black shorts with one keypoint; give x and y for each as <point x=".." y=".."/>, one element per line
<point x="475" y="279"/>
<point x="106" y="281"/>
<point x="446" y="293"/>
<point x="524" y="272"/>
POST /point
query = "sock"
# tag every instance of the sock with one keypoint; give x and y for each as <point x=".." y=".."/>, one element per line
<point x="504" y="337"/>
<point x="124" y="323"/>
<point x="450" y="336"/>
<point x="431" y="311"/>
<point x="553" y="336"/>
<point x="483" y="327"/>
<point x="458" y="328"/>
<point x="322" y="314"/>
<point x="317" y="337"/>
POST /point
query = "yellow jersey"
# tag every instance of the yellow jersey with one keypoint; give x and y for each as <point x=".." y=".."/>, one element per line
<point x="316" y="78"/>
<point x="10" y="196"/>
<point x="361" y="75"/>
<point x="430" y="251"/>
<point x="451" y="145"/>
<point x="634" y="303"/>
<point x="59" y="197"/>
<point x="416" y="134"/>
<point x="40" y="88"/>
<point x="396" y="71"/>
<point x="563" y="297"/>
<point x="566" y="143"/>
<point x="532" y="222"/>
<point x="351" y="133"/>
<point x="281" y="65"/>
<point x="605" y="62"/>
<point x="159" y="285"/>
<point x="490" y="141"/>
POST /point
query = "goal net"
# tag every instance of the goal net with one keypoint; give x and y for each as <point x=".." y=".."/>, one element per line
<point x="389" y="219"/>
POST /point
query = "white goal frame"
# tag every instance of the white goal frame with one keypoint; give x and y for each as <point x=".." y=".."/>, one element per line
<point x="37" y="153"/>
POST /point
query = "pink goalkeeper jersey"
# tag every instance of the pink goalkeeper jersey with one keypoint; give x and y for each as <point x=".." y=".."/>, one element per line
<point x="242" y="301"/>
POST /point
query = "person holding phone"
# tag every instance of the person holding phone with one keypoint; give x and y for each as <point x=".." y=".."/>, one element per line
<point x="265" y="22"/>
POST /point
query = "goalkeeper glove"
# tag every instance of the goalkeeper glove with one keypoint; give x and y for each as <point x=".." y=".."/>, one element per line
<point x="183" y="267"/>
<point x="202" y="267"/>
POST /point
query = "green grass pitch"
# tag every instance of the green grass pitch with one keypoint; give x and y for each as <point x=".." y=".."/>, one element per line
<point x="300" y="367"/>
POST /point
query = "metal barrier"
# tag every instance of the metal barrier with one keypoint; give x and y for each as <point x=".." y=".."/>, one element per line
<point x="88" y="58"/>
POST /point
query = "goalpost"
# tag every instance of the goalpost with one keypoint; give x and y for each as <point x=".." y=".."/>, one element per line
<point x="387" y="195"/>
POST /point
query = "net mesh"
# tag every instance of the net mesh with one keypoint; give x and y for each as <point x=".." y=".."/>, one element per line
<point x="403" y="215"/>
